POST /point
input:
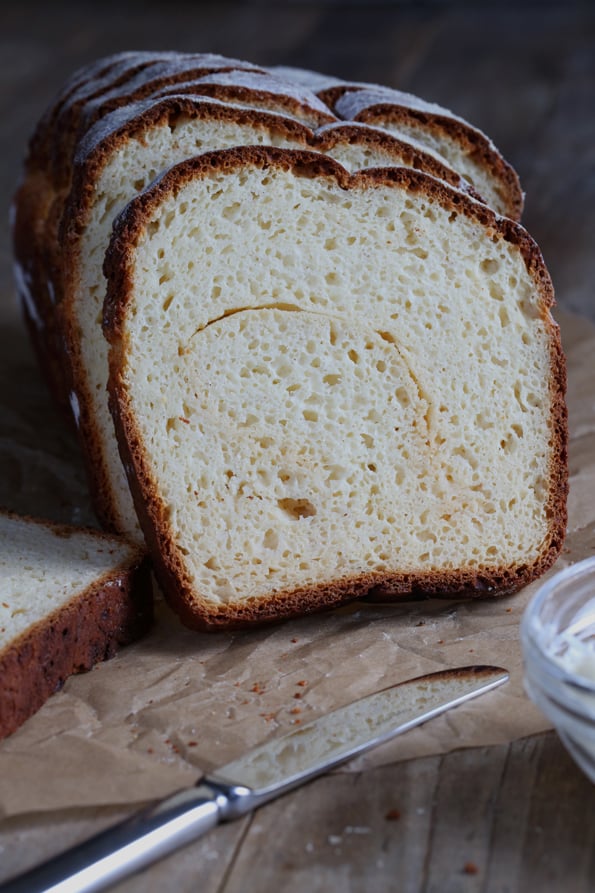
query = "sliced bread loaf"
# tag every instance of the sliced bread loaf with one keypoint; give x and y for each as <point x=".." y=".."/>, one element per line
<point x="329" y="384"/>
<point x="68" y="599"/>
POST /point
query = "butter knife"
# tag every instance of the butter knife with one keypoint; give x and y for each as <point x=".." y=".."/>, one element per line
<point x="262" y="774"/>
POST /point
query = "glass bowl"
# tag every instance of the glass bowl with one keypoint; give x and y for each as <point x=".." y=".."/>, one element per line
<point x="558" y="641"/>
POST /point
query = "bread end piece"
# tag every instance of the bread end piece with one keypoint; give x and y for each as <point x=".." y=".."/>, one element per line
<point x="81" y="627"/>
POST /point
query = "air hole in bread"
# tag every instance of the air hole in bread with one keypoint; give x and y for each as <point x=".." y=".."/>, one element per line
<point x="297" y="508"/>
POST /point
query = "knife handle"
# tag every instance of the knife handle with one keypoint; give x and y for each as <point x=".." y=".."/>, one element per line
<point x="134" y="843"/>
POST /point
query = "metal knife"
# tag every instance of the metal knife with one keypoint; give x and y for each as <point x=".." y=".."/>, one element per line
<point x="261" y="775"/>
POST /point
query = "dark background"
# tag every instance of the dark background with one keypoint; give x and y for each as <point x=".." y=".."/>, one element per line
<point x="523" y="72"/>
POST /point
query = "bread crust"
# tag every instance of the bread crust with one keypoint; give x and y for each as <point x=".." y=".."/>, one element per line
<point x="128" y="231"/>
<point x="114" y="611"/>
<point x="113" y="67"/>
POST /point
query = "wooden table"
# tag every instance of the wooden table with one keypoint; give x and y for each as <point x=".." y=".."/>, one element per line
<point x="509" y="818"/>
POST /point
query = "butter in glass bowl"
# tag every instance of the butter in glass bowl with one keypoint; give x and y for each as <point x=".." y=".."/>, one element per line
<point x="558" y="641"/>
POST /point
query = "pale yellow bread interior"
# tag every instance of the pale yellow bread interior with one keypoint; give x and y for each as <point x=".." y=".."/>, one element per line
<point x="321" y="379"/>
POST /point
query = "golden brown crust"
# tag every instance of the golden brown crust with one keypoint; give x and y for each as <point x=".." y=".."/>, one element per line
<point x="92" y="80"/>
<point x="39" y="147"/>
<point x="331" y="95"/>
<point x="113" y="612"/>
<point x="161" y="112"/>
<point x="152" y="513"/>
<point x="475" y="142"/>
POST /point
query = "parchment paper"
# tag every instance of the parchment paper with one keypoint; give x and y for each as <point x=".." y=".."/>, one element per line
<point x="177" y="703"/>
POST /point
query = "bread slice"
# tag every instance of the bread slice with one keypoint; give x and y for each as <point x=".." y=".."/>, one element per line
<point x="68" y="598"/>
<point x="120" y="156"/>
<point x="329" y="384"/>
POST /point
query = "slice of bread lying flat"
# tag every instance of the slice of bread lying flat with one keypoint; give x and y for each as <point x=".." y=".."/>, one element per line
<point x="327" y="385"/>
<point x="69" y="598"/>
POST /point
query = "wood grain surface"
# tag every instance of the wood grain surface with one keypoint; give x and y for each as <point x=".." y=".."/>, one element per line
<point x="505" y="819"/>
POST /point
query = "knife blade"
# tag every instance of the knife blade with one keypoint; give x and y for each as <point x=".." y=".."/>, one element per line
<point x="264" y="773"/>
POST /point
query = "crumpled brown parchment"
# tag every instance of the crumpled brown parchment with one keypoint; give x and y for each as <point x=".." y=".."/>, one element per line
<point x="179" y="702"/>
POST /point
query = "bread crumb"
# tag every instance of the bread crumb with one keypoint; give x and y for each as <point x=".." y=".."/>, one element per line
<point x="393" y="815"/>
<point x="470" y="868"/>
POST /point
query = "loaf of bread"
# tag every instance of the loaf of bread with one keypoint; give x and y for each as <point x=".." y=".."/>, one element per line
<point x="356" y="384"/>
<point x="68" y="598"/>
<point x="328" y="384"/>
